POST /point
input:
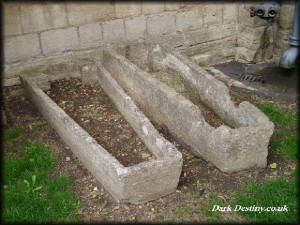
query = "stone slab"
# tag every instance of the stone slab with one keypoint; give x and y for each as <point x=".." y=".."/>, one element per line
<point x="135" y="28"/>
<point x="59" y="40"/>
<point x="90" y="35"/>
<point x="159" y="24"/>
<point x="113" y="31"/>
<point x="11" y="19"/>
<point x="88" y="12"/>
<point x="43" y="16"/>
<point x="28" y="44"/>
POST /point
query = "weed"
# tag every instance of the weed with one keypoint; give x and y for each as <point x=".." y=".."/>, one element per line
<point x="98" y="86"/>
<point x="40" y="124"/>
<point x="98" y="114"/>
<point x="12" y="133"/>
<point x="94" y="195"/>
<point x="141" y="148"/>
<point x="181" y="211"/>
<point x="206" y="68"/>
<point x="161" y="217"/>
<point x="104" y="204"/>
<point x="68" y="87"/>
<point x="198" y="183"/>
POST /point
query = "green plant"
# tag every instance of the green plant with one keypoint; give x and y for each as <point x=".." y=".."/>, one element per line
<point x="272" y="193"/>
<point x="30" y="195"/>
<point x="289" y="147"/>
<point x="98" y="86"/>
<point x="284" y="139"/>
<point x="104" y="204"/>
<point x="277" y="116"/>
<point x="12" y="133"/>
<point x="181" y="211"/>
<point x="40" y="124"/>
<point x="31" y="187"/>
<point x="276" y="64"/>
<point x="198" y="183"/>
<point x="207" y="209"/>
<point x="206" y="68"/>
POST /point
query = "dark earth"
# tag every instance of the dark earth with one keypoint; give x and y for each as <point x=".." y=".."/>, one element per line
<point x="93" y="110"/>
<point x="199" y="179"/>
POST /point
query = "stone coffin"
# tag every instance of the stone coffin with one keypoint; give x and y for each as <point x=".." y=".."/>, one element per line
<point x="240" y="144"/>
<point x="135" y="184"/>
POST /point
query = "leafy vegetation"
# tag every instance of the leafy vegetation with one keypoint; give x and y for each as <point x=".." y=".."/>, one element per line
<point x="29" y="194"/>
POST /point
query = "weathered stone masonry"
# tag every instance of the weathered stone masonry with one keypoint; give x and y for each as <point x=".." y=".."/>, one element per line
<point x="205" y="31"/>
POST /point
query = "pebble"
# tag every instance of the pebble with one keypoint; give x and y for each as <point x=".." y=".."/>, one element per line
<point x="145" y="155"/>
<point x="68" y="158"/>
<point x="95" y="189"/>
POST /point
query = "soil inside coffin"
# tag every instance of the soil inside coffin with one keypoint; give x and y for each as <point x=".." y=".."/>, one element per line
<point x="93" y="110"/>
<point x="176" y="83"/>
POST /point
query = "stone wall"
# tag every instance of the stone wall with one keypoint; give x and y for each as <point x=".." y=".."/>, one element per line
<point x="262" y="41"/>
<point x="207" y="32"/>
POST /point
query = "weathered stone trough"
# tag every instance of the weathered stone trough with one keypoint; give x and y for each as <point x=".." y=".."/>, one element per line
<point x="135" y="184"/>
<point x="241" y="144"/>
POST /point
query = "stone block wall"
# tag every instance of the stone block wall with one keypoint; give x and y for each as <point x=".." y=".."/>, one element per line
<point x="208" y="32"/>
<point x="262" y="41"/>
